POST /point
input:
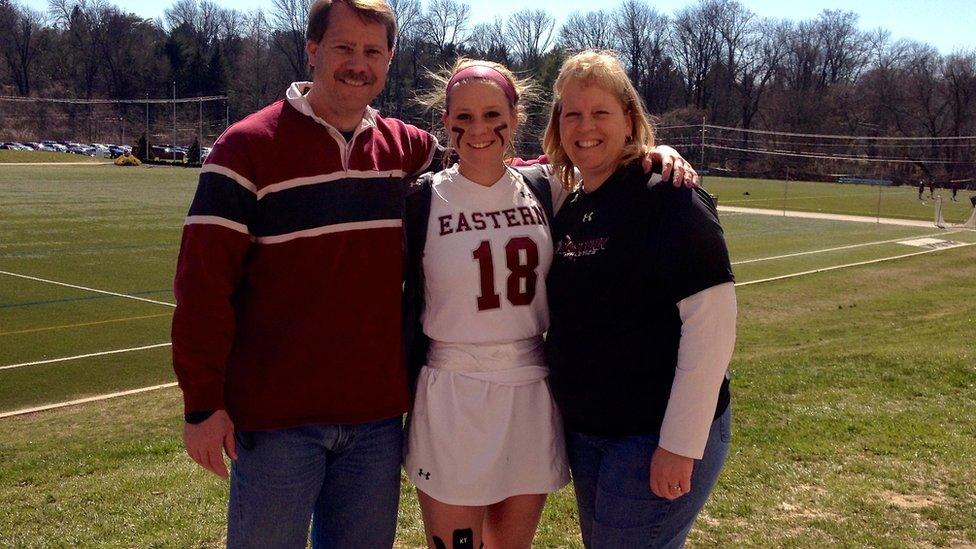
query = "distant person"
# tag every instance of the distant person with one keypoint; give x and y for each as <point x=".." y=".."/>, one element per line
<point x="972" y="200"/>
<point x="921" y="189"/>
<point x="955" y="190"/>
<point x="931" y="189"/>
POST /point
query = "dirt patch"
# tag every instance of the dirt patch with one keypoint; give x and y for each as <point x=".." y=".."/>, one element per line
<point x="912" y="501"/>
<point x="793" y="511"/>
<point x="811" y="488"/>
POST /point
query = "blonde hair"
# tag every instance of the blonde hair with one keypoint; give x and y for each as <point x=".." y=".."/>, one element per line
<point x="603" y="69"/>
<point x="436" y="98"/>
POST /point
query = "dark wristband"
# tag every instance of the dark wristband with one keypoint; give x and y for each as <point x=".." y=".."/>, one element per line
<point x="194" y="418"/>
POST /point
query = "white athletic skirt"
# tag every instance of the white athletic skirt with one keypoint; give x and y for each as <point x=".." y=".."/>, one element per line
<point x="484" y="425"/>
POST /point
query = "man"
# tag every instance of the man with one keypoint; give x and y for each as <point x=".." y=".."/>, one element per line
<point x="286" y="335"/>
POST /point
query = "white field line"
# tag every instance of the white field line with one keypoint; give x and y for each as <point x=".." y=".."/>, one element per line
<point x="166" y="385"/>
<point x="65" y="284"/>
<point x="55" y="163"/>
<point x="737" y="201"/>
<point x="835" y="217"/>
<point x="84" y="400"/>
<point x="838" y="248"/>
<point x="65" y="359"/>
<point x="836" y="267"/>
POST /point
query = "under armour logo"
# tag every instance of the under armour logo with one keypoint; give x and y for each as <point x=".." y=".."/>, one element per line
<point x="588" y="217"/>
<point x="423" y="474"/>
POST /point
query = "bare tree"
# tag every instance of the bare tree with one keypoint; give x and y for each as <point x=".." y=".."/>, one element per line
<point x="736" y="33"/>
<point x="233" y="24"/>
<point x="761" y="57"/>
<point x="254" y="79"/>
<point x="445" y="24"/>
<point x="530" y="35"/>
<point x="804" y="57"/>
<point x="22" y="26"/>
<point x="642" y="34"/>
<point x="81" y="21"/>
<point x="845" y="51"/>
<point x="121" y="36"/>
<point x="959" y="76"/>
<point x="289" y="19"/>
<point x="408" y="15"/>
<point x="594" y="29"/>
<point x="696" y="48"/>
<point x="491" y="41"/>
<point x="203" y="19"/>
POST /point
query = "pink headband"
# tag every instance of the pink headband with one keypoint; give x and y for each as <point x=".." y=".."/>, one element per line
<point x="488" y="73"/>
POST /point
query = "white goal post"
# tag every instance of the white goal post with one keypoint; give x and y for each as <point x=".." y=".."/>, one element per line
<point x="940" y="221"/>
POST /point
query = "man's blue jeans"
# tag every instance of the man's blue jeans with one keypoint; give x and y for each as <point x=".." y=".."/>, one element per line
<point x="345" y="478"/>
<point x="612" y="480"/>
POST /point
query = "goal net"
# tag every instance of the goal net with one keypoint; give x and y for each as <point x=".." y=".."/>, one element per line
<point x="171" y="121"/>
<point x="942" y="224"/>
<point x="740" y="152"/>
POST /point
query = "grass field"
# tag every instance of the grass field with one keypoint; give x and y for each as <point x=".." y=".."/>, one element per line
<point x="853" y="388"/>
<point x="7" y="156"/>
<point x="897" y="202"/>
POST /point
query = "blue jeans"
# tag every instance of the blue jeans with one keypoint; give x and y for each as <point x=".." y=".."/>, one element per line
<point x="612" y="480"/>
<point x="344" y="478"/>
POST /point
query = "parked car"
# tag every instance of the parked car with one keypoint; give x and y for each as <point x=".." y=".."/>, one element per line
<point x="81" y="149"/>
<point x="166" y="152"/>
<point x="54" y="146"/>
<point x="101" y="151"/>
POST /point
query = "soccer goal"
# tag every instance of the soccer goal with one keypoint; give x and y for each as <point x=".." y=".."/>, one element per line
<point x="940" y="221"/>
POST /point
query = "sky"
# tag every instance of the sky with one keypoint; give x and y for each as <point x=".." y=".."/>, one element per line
<point x="946" y="24"/>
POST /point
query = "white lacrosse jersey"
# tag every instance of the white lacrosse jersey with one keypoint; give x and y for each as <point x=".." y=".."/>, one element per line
<point x="487" y="255"/>
<point x="484" y="426"/>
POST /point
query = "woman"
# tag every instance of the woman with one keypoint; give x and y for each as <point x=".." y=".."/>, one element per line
<point x="484" y="441"/>
<point x="643" y="309"/>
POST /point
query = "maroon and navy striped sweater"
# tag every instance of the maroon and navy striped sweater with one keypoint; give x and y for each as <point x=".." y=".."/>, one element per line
<point x="288" y="283"/>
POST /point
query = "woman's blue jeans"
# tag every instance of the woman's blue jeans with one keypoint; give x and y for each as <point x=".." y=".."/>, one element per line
<point x="612" y="480"/>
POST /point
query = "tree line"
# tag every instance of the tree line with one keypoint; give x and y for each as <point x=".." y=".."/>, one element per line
<point x="714" y="60"/>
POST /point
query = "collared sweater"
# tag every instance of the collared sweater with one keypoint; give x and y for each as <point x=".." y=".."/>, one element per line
<point x="289" y="277"/>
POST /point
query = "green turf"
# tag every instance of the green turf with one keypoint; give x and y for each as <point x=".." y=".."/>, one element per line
<point x="897" y="202"/>
<point x="122" y="231"/>
<point x="44" y="156"/>
<point x="50" y="383"/>
<point x="853" y="389"/>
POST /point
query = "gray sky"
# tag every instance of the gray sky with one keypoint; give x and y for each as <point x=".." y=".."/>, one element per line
<point x="947" y="24"/>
